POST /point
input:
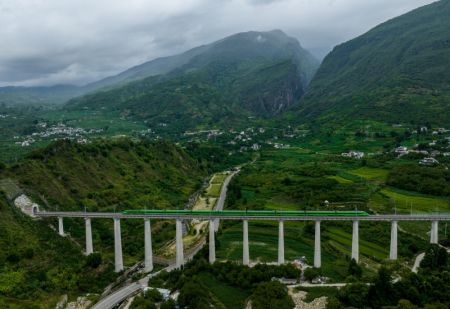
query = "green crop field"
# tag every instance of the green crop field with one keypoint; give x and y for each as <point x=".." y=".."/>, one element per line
<point x="214" y="189"/>
<point x="263" y="242"/>
<point x="344" y="240"/>
<point x="315" y="292"/>
<point x="405" y="201"/>
<point x="340" y="179"/>
<point x="371" y="173"/>
<point x="263" y="239"/>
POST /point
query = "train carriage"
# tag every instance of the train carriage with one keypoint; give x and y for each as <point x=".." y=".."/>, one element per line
<point x="248" y="213"/>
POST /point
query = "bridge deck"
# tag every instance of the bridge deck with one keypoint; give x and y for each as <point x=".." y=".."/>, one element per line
<point x="265" y="216"/>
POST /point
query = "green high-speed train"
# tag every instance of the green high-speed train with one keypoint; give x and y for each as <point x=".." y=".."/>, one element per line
<point x="248" y="213"/>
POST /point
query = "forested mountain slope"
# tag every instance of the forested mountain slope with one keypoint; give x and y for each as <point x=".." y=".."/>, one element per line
<point x="252" y="74"/>
<point x="37" y="266"/>
<point x="397" y="72"/>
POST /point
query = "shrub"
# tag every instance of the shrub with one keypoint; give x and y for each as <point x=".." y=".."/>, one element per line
<point x="94" y="260"/>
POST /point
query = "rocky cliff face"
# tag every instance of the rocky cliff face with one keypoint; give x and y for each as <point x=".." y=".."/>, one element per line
<point x="275" y="101"/>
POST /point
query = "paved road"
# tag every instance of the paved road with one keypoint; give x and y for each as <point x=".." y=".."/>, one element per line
<point x="223" y="194"/>
<point x="316" y="285"/>
<point x="417" y="262"/>
<point x="122" y="294"/>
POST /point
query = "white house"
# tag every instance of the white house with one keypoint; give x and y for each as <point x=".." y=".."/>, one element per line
<point x="428" y="161"/>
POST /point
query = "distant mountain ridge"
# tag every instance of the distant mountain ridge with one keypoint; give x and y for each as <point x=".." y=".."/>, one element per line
<point x="57" y="94"/>
<point x="240" y="45"/>
<point x="398" y="71"/>
<point x="273" y="45"/>
<point x="250" y="74"/>
<point x="154" y="67"/>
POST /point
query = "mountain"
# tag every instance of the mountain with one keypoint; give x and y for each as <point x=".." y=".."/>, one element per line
<point x="14" y="96"/>
<point x="37" y="266"/>
<point x="251" y="74"/>
<point x="255" y="47"/>
<point x="154" y="67"/>
<point x="397" y="72"/>
<point x="245" y="46"/>
<point x="105" y="173"/>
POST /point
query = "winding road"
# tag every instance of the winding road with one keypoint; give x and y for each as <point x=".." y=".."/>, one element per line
<point x="417" y="262"/>
<point x="125" y="292"/>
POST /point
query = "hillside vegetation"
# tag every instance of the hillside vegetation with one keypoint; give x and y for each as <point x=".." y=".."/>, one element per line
<point x="254" y="74"/>
<point x="242" y="47"/>
<point x="113" y="175"/>
<point x="108" y="174"/>
<point x="38" y="96"/>
<point x="37" y="266"/>
<point x="397" y="72"/>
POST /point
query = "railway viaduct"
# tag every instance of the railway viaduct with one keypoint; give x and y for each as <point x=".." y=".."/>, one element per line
<point x="214" y="216"/>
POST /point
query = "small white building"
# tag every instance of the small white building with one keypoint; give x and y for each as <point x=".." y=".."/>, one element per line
<point x="402" y="150"/>
<point x="435" y="153"/>
<point x="256" y="147"/>
<point x="353" y="154"/>
<point x="428" y="161"/>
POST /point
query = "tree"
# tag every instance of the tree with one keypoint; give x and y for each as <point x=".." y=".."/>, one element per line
<point x="153" y="295"/>
<point x="406" y="304"/>
<point x="354" y="295"/>
<point x="354" y="269"/>
<point x="310" y="273"/>
<point x="168" y="304"/>
<point x="269" y="295"/>
<point x="192" y="295"/>
<point x="382" y="292"/>
<point x="94" y="260"/>
<point x="435" y="258"/>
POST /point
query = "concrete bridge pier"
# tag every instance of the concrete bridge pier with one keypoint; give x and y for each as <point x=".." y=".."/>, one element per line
<point x="212" y="243"/>
<point x="148" y="260"/>
<point x="89" y="247"/>
<point x="393" y="251"/>
<point x="434" y="233"/>
<point x="317" y="253"/>
<point x="179" y="243"/>
<point x="60" y="226"/>
<point x="280" y="242"/>
<point x="355" y="241"/>
<point x="246" y="254"/>
<point x="118" y="261"/>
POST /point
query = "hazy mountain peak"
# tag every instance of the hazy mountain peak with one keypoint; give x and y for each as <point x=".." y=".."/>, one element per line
<point x="240" y="47"/>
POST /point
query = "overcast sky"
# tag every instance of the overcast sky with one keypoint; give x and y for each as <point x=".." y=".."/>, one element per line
<point x="46" y="42"/>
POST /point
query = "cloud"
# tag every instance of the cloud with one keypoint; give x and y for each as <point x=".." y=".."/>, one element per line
<point x="47" y="42"/>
